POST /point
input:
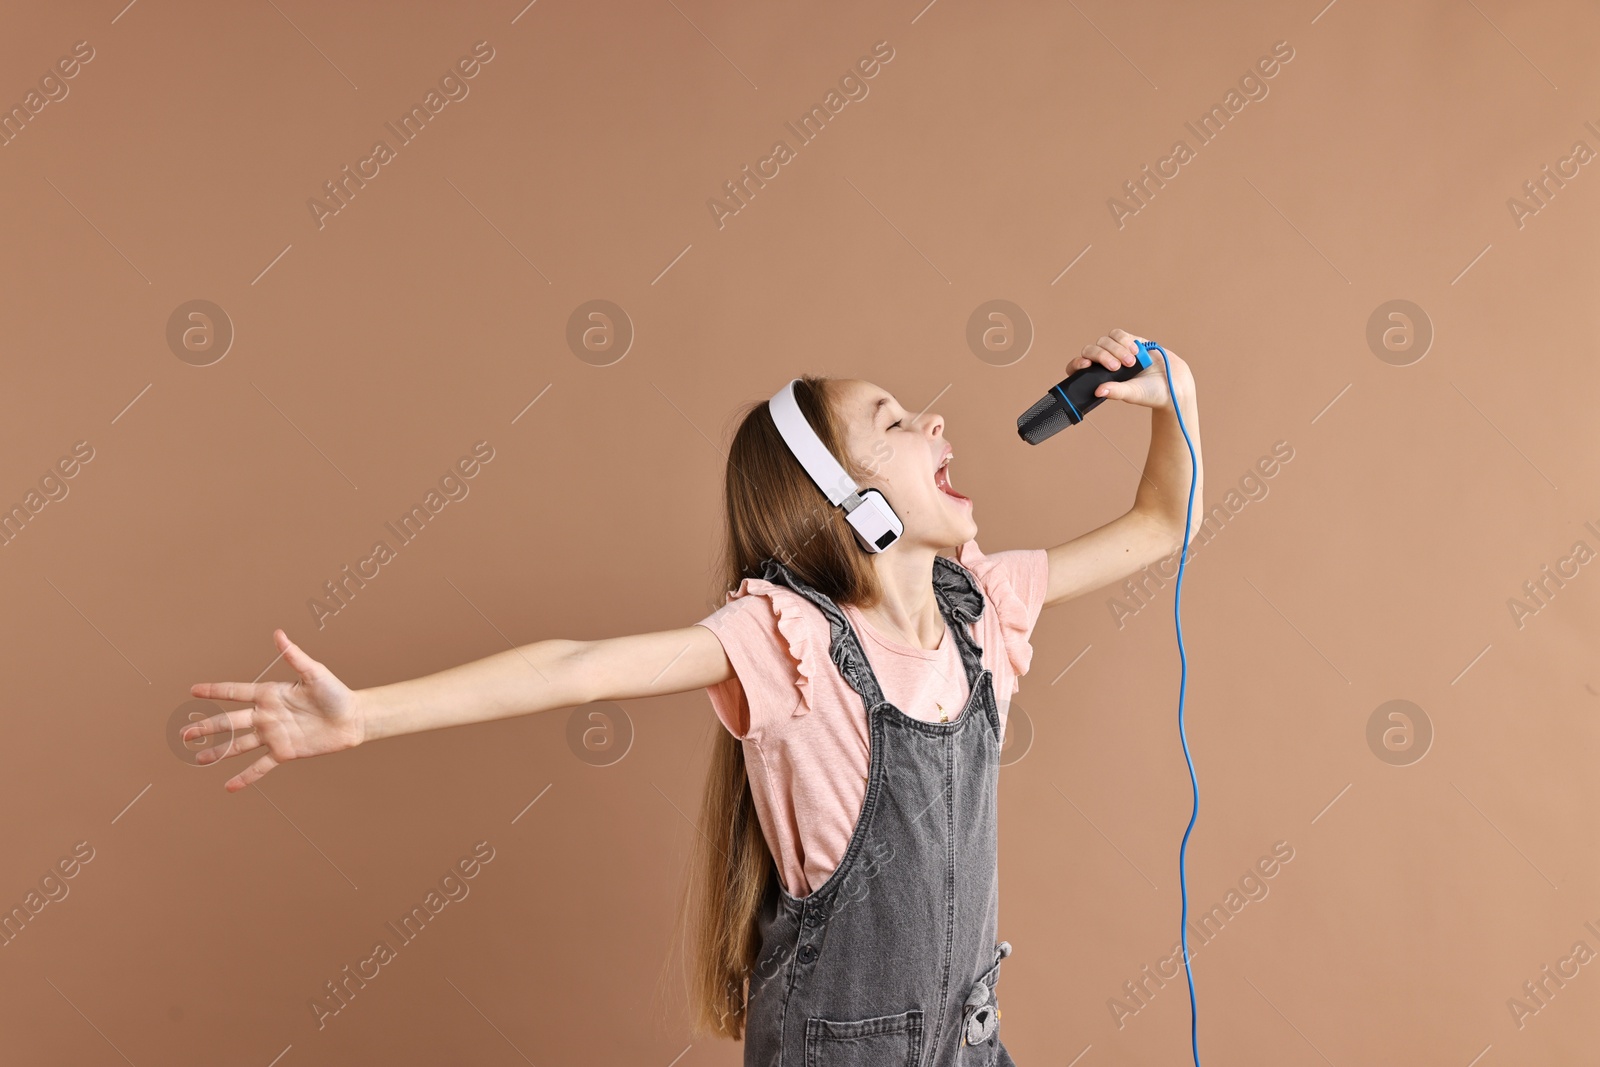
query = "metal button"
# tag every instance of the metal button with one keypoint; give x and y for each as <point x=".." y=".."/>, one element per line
<point x="808" y="953"/>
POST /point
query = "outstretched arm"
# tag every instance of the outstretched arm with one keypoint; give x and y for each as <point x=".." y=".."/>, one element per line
<point x="545" y="675"/>
<point x="319" y="714"/>
<point x="1153" y="527"/>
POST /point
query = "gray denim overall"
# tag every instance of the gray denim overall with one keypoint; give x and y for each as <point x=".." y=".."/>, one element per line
<point x="892" y="961"/>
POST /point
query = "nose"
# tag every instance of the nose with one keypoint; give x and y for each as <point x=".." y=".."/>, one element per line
<point x="934" y="423"/>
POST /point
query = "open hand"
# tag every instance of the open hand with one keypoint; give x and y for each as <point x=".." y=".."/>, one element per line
<point x="1147" y="389"/>
<point x="315" y="715"/>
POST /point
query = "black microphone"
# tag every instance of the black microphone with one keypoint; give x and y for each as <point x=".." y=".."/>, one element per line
<point x="1073" y="398"/>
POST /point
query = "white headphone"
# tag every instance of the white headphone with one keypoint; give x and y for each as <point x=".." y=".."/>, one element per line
<point x="869" y="514"/>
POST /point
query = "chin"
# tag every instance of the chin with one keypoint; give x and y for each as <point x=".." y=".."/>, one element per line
<point x="958" y="537"/>
<point x="963" y="532"/>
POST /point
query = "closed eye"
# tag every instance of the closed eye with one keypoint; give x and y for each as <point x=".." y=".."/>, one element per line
<point x="893" y="424"/>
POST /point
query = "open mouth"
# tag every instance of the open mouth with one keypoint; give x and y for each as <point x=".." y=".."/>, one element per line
<point x="941" y="480"/>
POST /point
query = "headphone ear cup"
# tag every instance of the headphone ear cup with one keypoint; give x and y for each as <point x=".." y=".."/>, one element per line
<point x="874" y="521"/>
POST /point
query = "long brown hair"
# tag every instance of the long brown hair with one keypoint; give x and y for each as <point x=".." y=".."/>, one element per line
<point x="773" y="511"/>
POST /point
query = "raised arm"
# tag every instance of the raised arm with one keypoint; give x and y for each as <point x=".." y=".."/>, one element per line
<point x="1153" y="528"/>
<point x="319" y="714"/>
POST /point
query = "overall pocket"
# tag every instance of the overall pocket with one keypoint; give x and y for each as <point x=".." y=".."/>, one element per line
<point x="884" y="1041"/>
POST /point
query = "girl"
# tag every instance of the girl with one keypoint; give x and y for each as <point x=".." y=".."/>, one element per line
<point x="847" y="891"/>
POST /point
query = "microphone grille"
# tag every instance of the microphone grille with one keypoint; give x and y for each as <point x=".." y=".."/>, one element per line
<point x="1044" y="419"/>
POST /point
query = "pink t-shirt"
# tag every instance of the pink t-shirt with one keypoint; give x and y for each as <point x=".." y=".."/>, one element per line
<point x="805" y="729"/>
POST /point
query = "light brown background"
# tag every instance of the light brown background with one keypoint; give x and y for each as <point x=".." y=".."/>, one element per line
<point x="428" y="315"/>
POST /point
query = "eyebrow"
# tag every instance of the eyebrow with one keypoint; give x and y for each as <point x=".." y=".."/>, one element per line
<point x="878" y="407"/>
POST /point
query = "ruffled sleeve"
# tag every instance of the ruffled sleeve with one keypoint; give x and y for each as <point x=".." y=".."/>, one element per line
<point x="777" y="641"/>
<point x="1016" y="609"/>
<point x="797" y="620"/>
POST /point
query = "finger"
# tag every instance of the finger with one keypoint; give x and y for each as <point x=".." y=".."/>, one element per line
<point x="1097" y="353"/>
<point x="1123" y="351"/>
<point x="1127" y="340"/>
<point x="1110" y="390"/>
<point x="242" y="691"/>
<point x="302" y="664"/>
<point x="221" y="722"/>
<point x="250" y="774"/>
<point x="1115" y="350"/>
<point x="237" y="745"/>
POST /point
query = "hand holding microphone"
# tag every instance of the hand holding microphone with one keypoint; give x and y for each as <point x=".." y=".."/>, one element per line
<point x="1120" y="366"/>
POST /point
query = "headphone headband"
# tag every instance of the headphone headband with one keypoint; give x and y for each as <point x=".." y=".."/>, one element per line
<point x="869" y="514"/>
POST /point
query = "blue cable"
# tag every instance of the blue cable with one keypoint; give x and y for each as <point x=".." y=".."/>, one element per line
<point x="1177" y="618"/>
